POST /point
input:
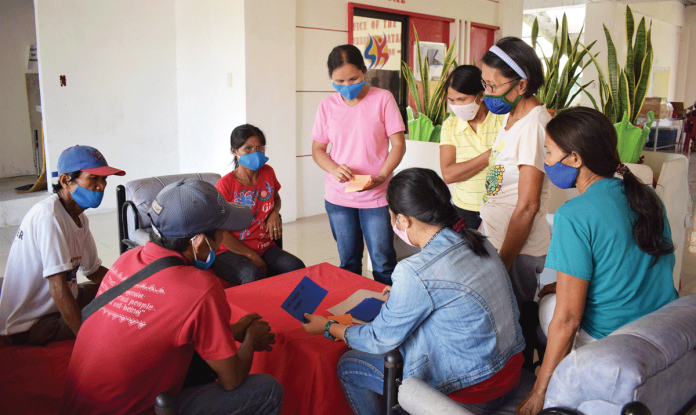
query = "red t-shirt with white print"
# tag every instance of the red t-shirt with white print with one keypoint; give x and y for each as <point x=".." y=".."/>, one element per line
<point x="141" y="343"/>
<point x="260" y="198"/>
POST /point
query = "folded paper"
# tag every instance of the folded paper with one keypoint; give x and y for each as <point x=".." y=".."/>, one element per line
<point x="305" y="298"/>
<point x="353" y="300"/>
<point x="359" y="182"/>
<point x="346" y="319"/>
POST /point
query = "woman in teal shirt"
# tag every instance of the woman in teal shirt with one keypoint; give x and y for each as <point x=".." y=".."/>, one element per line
<point x="611" y="245"/>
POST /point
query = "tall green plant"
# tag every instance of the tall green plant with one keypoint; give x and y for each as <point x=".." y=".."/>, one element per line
<point x="555" y="92"/>
<point x="432" y="105"/>
<point x="624" y="90"/>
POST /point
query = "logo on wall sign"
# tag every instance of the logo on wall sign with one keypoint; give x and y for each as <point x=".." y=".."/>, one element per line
<point x="377" y="51"/>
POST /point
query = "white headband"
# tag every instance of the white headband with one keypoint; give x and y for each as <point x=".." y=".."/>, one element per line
<point x="504" y="56"/>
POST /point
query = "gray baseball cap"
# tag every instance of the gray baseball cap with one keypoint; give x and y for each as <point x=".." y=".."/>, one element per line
<point x="190" y="207"/>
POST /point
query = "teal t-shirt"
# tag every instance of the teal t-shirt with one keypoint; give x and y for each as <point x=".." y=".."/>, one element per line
<point x="593" y="240"/>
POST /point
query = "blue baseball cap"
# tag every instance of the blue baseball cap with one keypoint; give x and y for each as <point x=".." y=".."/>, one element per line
<point x="87" y="159"/>
<point x="190" y="207"/>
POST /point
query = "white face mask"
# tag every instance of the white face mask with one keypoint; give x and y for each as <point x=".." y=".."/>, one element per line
<point x="466" y="112"/>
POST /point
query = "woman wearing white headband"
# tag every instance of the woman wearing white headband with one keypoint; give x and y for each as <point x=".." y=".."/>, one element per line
<point x="517" y="190"/>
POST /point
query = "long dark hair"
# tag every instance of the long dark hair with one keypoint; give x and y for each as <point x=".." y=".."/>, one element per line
<point x="591" y="135"/>
<point x="406" y="195"/>
<point x="466" y="79"/>
<point x="524" y="56"/>
<point x="241" y="134"/>
<point x="343" y="54"/>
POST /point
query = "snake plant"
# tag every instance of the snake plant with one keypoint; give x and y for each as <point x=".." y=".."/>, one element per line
<point x="624" y="90"/>
<point x="558" y="82"/>
<point x="432" y="105"/>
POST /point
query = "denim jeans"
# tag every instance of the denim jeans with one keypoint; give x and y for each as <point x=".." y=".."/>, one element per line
<point x="259" y="394"/>
<point x="237" y="269"/>
<point x="349" y="225"/>
<point x="362" y="377"/>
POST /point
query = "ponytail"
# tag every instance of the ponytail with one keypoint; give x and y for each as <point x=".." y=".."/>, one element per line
<point x="649" y="226"/>
<point x="406" y="195"/>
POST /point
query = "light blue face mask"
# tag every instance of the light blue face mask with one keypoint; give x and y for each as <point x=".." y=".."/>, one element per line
<point x="200" y="264"/>
<point x="253" y="161"/>
<point x="86" y="198"/>
<point x="349" y="92"/>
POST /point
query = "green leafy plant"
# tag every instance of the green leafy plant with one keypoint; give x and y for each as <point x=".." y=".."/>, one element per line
<point x="624" y="90"/>
<point x="432" y="105"/>
<point x="558" y="82"/>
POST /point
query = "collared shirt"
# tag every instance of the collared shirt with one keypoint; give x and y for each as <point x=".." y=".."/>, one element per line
<point x="469" y="144"/>
<point x="448" y="293"/>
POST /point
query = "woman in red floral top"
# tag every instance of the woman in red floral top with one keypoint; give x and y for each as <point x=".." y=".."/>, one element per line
<point x="252" y="254"/>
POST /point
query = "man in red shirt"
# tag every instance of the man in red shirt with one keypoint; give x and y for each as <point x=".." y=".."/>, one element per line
<point x="141" y="343"/>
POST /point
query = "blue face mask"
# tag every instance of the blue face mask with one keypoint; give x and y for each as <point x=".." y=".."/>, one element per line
<point x="349" y="92"/>
<point x="253" y="161"/>
<point x="497" y="104"/>
<point x="561" y="175"/>
<point x="200" y="264"/>
<point x="86" y="198"/>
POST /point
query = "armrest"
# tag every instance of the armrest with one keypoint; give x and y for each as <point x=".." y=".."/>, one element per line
<point x="418" y="398"/>
<point x="393" y="372"/>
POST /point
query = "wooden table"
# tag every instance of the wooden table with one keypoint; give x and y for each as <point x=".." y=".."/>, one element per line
<point x="305" y="365"/>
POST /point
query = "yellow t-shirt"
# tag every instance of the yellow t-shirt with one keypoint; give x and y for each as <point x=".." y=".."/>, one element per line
<point x="469" y="144"/>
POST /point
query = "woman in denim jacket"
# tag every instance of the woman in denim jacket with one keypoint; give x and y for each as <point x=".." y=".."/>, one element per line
<point x="451" y="311"/>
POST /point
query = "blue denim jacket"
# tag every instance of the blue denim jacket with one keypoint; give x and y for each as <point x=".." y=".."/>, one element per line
<point x="451" y="313"/>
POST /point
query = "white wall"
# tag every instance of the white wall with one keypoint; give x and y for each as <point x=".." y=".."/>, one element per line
<point x="686" y="81"/>
<point x="323" y="24"/>
<point x="210" y="81"/>
<point x="270" y="88"/>
<point x="119" y="61"/>
<point x="667" y="19"/>
<point x="18" y="32"/>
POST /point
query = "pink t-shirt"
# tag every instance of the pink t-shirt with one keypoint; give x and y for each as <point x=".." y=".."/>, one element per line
<point x="359" y="138"/>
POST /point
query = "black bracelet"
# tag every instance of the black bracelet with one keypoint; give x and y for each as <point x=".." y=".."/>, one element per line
<point x="327" y="334"/>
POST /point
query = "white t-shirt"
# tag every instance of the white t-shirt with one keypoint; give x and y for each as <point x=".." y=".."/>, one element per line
<point x="47" y="242"/>
<point x="522" y="144"/>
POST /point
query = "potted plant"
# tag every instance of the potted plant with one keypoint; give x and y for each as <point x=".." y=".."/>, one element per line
<point x="431" y="107"/>
<point x="559" y="80"/>
<point x="622" y="91"/>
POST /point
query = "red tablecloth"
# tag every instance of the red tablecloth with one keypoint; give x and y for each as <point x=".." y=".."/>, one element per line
<point x="305" y="365"/>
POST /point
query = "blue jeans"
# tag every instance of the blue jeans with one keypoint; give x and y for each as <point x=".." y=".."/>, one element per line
<point x="349" y="225"/>
<point x="259" y="394"/>
<point x="362" y="377"/>
<point x="237" y="269"/>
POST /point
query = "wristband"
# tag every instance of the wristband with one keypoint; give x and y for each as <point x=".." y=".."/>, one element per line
<point x="327" y="334"/>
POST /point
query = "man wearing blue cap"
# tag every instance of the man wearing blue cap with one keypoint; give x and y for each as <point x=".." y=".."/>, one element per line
<point x="40" y="300"/>
<point x="141" y="343"/>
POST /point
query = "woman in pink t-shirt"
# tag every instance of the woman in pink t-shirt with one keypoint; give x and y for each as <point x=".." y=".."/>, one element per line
<point x="360" y="122"/>
<point x="252" y="254"/>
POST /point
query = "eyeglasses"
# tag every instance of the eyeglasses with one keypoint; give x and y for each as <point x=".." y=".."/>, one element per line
<point x="491" y="88"/>
<point x="250" y="149"/>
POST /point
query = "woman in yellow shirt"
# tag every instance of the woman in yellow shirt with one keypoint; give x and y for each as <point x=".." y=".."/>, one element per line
<point x="466" y="141"/>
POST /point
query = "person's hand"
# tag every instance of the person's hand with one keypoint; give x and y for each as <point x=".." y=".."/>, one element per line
<point x="532" y="404"/>
<point x="374" y="182"/>
<point x="315" y="324"/>
<point x="239" y="328"/>
<point x="386" y="290"/>
<point x="342" y="173"/>
<point x="548" y="289"/>
<point x="259" y="332"/>
<point x="274" y="227"/>
<point x="258" y="261"/>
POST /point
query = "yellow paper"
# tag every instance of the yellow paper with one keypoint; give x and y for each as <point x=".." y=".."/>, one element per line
<point x="359" y="182"/>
